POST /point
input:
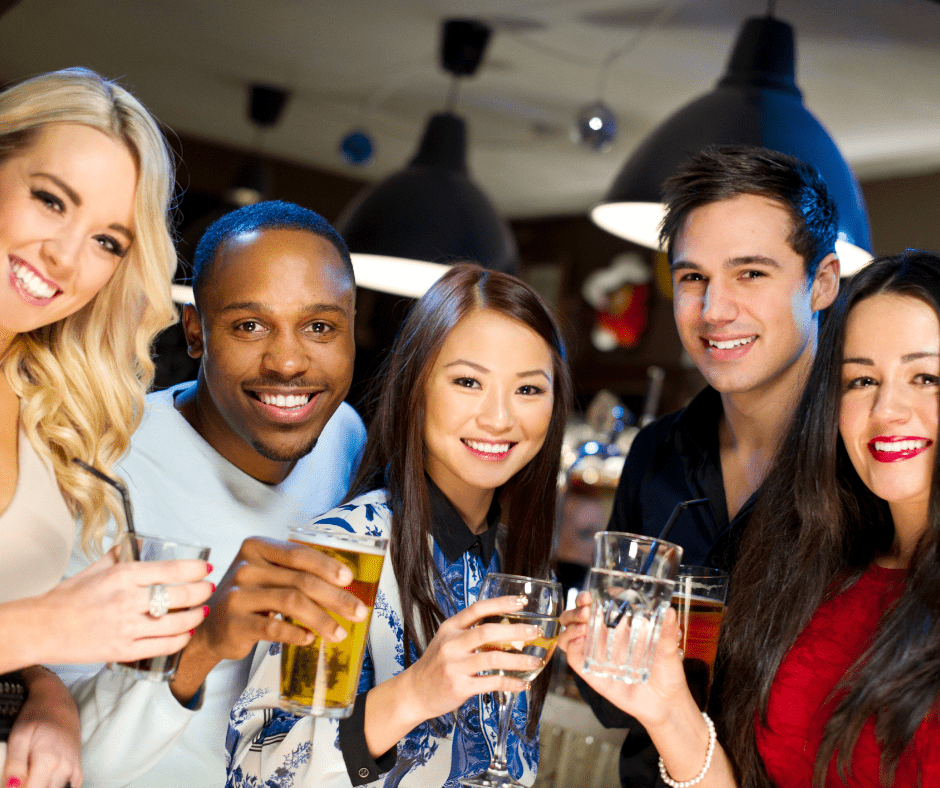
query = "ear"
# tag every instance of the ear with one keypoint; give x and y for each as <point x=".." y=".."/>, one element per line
<point x="825" y="283"/>
<point x="192" y="328"/>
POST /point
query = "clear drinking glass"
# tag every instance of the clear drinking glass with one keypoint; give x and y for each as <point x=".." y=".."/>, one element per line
<point x="542" y="608"/>
<point x="699" y="600"/>
<point x="631" y="583"/>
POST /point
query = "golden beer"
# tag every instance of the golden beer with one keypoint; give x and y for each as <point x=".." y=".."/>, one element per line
<point x="322" y="679"/>
<point x="541" y="646"/>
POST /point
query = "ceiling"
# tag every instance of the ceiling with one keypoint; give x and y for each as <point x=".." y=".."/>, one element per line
<point x="869" y="70"/>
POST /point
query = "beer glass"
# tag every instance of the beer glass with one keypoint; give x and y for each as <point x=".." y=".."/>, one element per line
<point x="157" y="548"/>
<point x="699" y="599"/>
<point x="631" y="581"/>
<point x="322" y="679"/>
<point x="542" y="608"/>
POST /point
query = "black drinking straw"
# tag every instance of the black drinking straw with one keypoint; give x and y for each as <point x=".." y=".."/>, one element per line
<point x="125" y="498"/>
<point x="680" y="508"/>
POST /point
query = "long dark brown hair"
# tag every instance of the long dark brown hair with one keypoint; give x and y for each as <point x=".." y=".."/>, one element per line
<point x="394" y="454"/>
<point x="815" y="529"/>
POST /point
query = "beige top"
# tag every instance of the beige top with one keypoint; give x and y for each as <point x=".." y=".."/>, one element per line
<point x="36" y="530"/>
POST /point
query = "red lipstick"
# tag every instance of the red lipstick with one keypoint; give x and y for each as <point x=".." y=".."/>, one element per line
<point x="901" y="447"/>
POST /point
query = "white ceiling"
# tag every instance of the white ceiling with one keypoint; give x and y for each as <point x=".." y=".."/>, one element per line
<point x="868" y="70"/>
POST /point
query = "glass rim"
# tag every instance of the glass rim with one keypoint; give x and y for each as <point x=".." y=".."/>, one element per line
<point x="165" y="540"/>
<point x="379" y="542"/>
<point x="523" y="578"/>
<point x="701" y="572"/>
<point x="647" y="540"/>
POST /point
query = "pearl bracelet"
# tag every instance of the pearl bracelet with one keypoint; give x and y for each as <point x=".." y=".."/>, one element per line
<point x="712" y="738"/>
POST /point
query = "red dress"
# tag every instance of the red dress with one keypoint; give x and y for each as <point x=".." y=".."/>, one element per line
<point x="835" y="637"/>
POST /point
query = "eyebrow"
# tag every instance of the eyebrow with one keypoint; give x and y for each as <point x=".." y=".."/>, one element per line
<point x="77" y="200"/>
<point x="260" y="306"/>
<point x="904" y="359"/>
<point x="730" y="263"/>
<point x="481" y="368"/>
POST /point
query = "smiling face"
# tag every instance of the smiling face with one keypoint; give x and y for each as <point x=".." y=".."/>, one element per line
<point x="488" y="404"/>
<point x="888" y="414"/>
<point x="275" y="337"/>
<point x="66" y="220"/>
<point x="742" y="302"/>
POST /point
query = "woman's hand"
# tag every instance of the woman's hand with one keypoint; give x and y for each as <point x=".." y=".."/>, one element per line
<point x="101" y="614"/>
<point x="44" y="747"/>
<point x="651" y="702"/>
<point x="449" y="672"/>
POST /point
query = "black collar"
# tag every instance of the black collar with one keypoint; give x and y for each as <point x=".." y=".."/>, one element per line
<point x="451" y="532"/>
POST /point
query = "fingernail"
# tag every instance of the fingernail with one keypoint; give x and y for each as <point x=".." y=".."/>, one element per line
<point x="213" y="587"/>
<point x="192" y="632"/>
<point x="208" y="569"/>
<point x="14" y="782"/>
<point x="362" y="611"/>
<point x="205" y="611"/>
<point x="532" y="630"/>
<point x="345" y="576"/>
<point x="535" y="662"/>
<point x="521" y="600"/>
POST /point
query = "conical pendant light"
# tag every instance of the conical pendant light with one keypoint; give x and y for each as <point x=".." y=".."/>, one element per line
<point x="756" y="102"/>
<point x="431" y="211"/>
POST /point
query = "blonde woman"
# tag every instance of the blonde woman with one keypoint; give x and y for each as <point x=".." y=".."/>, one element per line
<point x="86" y="180"/>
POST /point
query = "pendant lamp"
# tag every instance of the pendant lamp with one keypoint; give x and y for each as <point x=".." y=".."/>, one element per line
<point x="431" y="211"/>
<point x="756" y="102"/>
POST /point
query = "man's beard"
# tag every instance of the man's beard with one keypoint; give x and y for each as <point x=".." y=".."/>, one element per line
<point x="271" y="453"/>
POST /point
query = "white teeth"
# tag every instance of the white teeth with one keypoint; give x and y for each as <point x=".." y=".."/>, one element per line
<point x="282" y="401"/>
<point x="488" y="448"/>
<point x="31" y="283"/>
<point x="731" y="343"/>
<point x="901" y="445"/>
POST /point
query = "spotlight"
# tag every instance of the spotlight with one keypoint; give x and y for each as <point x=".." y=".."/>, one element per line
<point x="596" y="126"/>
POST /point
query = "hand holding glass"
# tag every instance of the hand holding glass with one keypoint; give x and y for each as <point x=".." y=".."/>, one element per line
<point x="541" y="609"/>
<point x="145" y="547"/>
<point x="631" y="583"/>
<point x="322" y="679"/>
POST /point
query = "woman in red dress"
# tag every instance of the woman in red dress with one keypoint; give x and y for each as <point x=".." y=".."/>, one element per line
<point x="831" y="642"/>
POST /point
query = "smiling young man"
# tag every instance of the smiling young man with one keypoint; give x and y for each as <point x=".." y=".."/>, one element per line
<point x="260" y="440"/>
<point x="750" y="237"/>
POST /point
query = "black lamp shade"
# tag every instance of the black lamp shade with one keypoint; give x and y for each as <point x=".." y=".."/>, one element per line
<point x="431" y="211"/>
<point x="755" y="103"/>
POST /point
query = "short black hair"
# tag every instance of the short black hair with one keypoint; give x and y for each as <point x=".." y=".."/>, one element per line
<point x="722" y="172"/>
<point x="270" y="215"/>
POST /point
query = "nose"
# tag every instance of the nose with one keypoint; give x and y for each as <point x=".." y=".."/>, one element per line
<point x="285" y="355"/>
<point x="61" y="250"/>
<point x="719" y="305"/>
<point x="891" y="403"/>
<point x="496" y="412"/>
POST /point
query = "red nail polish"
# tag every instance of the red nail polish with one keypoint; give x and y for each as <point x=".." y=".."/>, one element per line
<point x="14" y="782"/>
<point x="192" y="632"/>
<point x="208" y="569"/>
<point x="213" y="587"/>
<point x="205" y="611"/>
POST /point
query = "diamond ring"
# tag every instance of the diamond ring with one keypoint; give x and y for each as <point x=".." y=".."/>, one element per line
<point x="159" y="601"/>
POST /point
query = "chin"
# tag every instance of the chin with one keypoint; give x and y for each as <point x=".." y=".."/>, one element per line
<point x="279" y="453"/>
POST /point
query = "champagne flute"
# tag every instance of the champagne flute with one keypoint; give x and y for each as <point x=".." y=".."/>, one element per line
<point x="542" y="608"/>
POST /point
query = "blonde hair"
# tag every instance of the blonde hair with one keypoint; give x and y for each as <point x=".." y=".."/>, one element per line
<point x="82" y="379"/>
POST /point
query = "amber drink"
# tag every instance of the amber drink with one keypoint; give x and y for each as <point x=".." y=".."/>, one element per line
<point x="699" y="599"/>
<point x="322" y="679"/>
